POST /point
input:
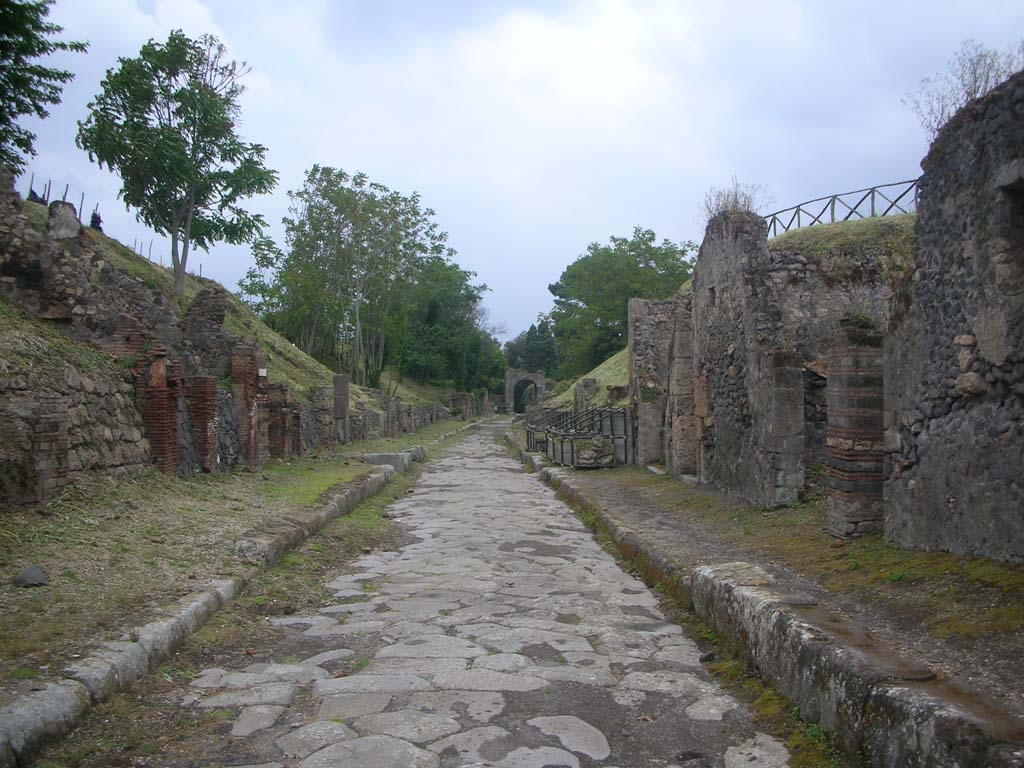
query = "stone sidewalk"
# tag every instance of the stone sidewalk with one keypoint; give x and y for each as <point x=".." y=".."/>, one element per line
<point x="504" y="636"/>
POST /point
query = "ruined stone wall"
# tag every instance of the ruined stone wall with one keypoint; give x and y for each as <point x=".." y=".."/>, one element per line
<point x="762" y="317"/>
<point x="54" y="428"/>
<point x="954" y="358"/>
<point x="680" y="423"/>
<point x="651" y="325"/>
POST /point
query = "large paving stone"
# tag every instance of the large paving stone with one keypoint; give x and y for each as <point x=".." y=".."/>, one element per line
<point x="479" y="706"/>
<point x="370" y="684"/>
<point x="346" y="706"/>
<point x="487" y="680"/>
<point x="313" y="737"/>
<point x="409" y="724"/>
<point x="576" y="735"/>
<point x="436" y="646"/>
<point x="271" y="694"/>
<point x="372" y="752"/>
<point x="256" y="718"/>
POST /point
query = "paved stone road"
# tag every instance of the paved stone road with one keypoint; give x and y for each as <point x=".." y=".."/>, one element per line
<point x="504" y="637"/>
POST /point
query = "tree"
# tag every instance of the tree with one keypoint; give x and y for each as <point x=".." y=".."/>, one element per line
<point x="26" y="86"/>
<point x="589" y="319"/>
<point x="973" y="72"/>
<point x="362" y="261"/>
<point x="166" y="122"/>
<point x="534" y="349"/>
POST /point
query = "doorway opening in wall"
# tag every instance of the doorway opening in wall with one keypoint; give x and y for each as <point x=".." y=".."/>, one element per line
<point x="1013" y="258"/>
<point x="525" y="395"/>
<point x="815" y="425"/>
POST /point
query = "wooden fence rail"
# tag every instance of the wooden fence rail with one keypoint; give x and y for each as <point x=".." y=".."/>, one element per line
<point x="884" y="200"/>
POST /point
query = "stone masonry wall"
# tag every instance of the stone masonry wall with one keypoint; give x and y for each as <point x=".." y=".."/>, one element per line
<point x="651" y="325"/>
<point x="51" y="429"/>
<point x="680" y="424"/>
<point x="761" y="317"/>
<point x="954" y="359"/>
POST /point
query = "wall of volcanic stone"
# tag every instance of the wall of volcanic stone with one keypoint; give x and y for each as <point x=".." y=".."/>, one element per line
<point x="954" y="356"/>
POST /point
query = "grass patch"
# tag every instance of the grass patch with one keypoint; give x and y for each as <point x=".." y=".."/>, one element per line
<point x="613" y="372"/>
<point x="404" y="442"/>
<point x="890" y="240"/>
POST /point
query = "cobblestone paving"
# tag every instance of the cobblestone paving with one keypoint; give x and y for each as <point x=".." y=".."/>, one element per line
<point x="504" y="636"/>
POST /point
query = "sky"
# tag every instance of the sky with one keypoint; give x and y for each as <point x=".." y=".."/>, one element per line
<point x="536" y="128"/>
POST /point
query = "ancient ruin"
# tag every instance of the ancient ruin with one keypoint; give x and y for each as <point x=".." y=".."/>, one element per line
<point x="517" y="384"/>
<point x="954" y="354"/>
<point x="767" y="373"/>
<point x="181" y="392"/>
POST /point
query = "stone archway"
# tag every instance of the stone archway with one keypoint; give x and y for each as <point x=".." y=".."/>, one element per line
<point x="514" y="390"/>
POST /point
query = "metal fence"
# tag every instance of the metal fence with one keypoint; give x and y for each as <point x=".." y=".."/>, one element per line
<point x="563" y="442"/>
<point x="536" y="429"/>
<point x="884" y="200"/>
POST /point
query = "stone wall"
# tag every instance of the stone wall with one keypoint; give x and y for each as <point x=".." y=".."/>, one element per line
<point x="763" y="319"/>
<point x="954" y="378"/>
<point x="53" y="428"/>
<point x="651" y="325"/>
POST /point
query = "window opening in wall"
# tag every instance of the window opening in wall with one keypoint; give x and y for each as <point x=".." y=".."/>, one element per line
<point x="711" y="295"/>
<point x="1012" y="259"/>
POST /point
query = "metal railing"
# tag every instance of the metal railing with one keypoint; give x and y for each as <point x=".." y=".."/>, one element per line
<point x="536" y="430"/>
<point x="614" y="424"/>
<point x="884" y="200"/>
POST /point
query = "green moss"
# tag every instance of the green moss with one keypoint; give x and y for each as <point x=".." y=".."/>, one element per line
<point x="37" y="215"/>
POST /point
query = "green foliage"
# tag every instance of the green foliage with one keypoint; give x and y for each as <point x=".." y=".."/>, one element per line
<point x="26" y="86"/>
<point x="369" y="282"/>
<point x="165" y="121"/>
<point x="533" y="349"/>
<point x="589" y="319"/>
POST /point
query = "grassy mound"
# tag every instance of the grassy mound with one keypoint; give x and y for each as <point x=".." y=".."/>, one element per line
<point x="613" y="372"/>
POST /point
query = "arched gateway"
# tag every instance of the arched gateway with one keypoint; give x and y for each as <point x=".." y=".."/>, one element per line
<point x="516" y="385"/>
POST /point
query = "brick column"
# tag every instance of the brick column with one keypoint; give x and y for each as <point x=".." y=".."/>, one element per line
<point x="201" y="396"/>
<point x="854" y="439"/>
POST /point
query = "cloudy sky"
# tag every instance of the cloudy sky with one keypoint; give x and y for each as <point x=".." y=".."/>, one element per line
<point x="535" y="128"/>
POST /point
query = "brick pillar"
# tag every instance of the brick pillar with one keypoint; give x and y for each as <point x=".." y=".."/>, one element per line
<point x="341" y="396"/>
<point x="201" y="396"/>
<point x="159" y="413"/>
<point x="854" y="438"/>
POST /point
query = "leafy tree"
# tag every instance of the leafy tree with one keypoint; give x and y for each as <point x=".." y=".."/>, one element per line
<point x="534" y="349"/>
<point x="26" y="86"/>
<point x="166" y="122"/>
<point x="367" y="281"/>
<point x="973" y="72"/>
<point x="589" y="319"/>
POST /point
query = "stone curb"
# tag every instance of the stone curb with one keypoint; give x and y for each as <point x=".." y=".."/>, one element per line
<point x="39" y="717"/>
<point x="266" y="544"/>
<point x="890" y="711"/>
